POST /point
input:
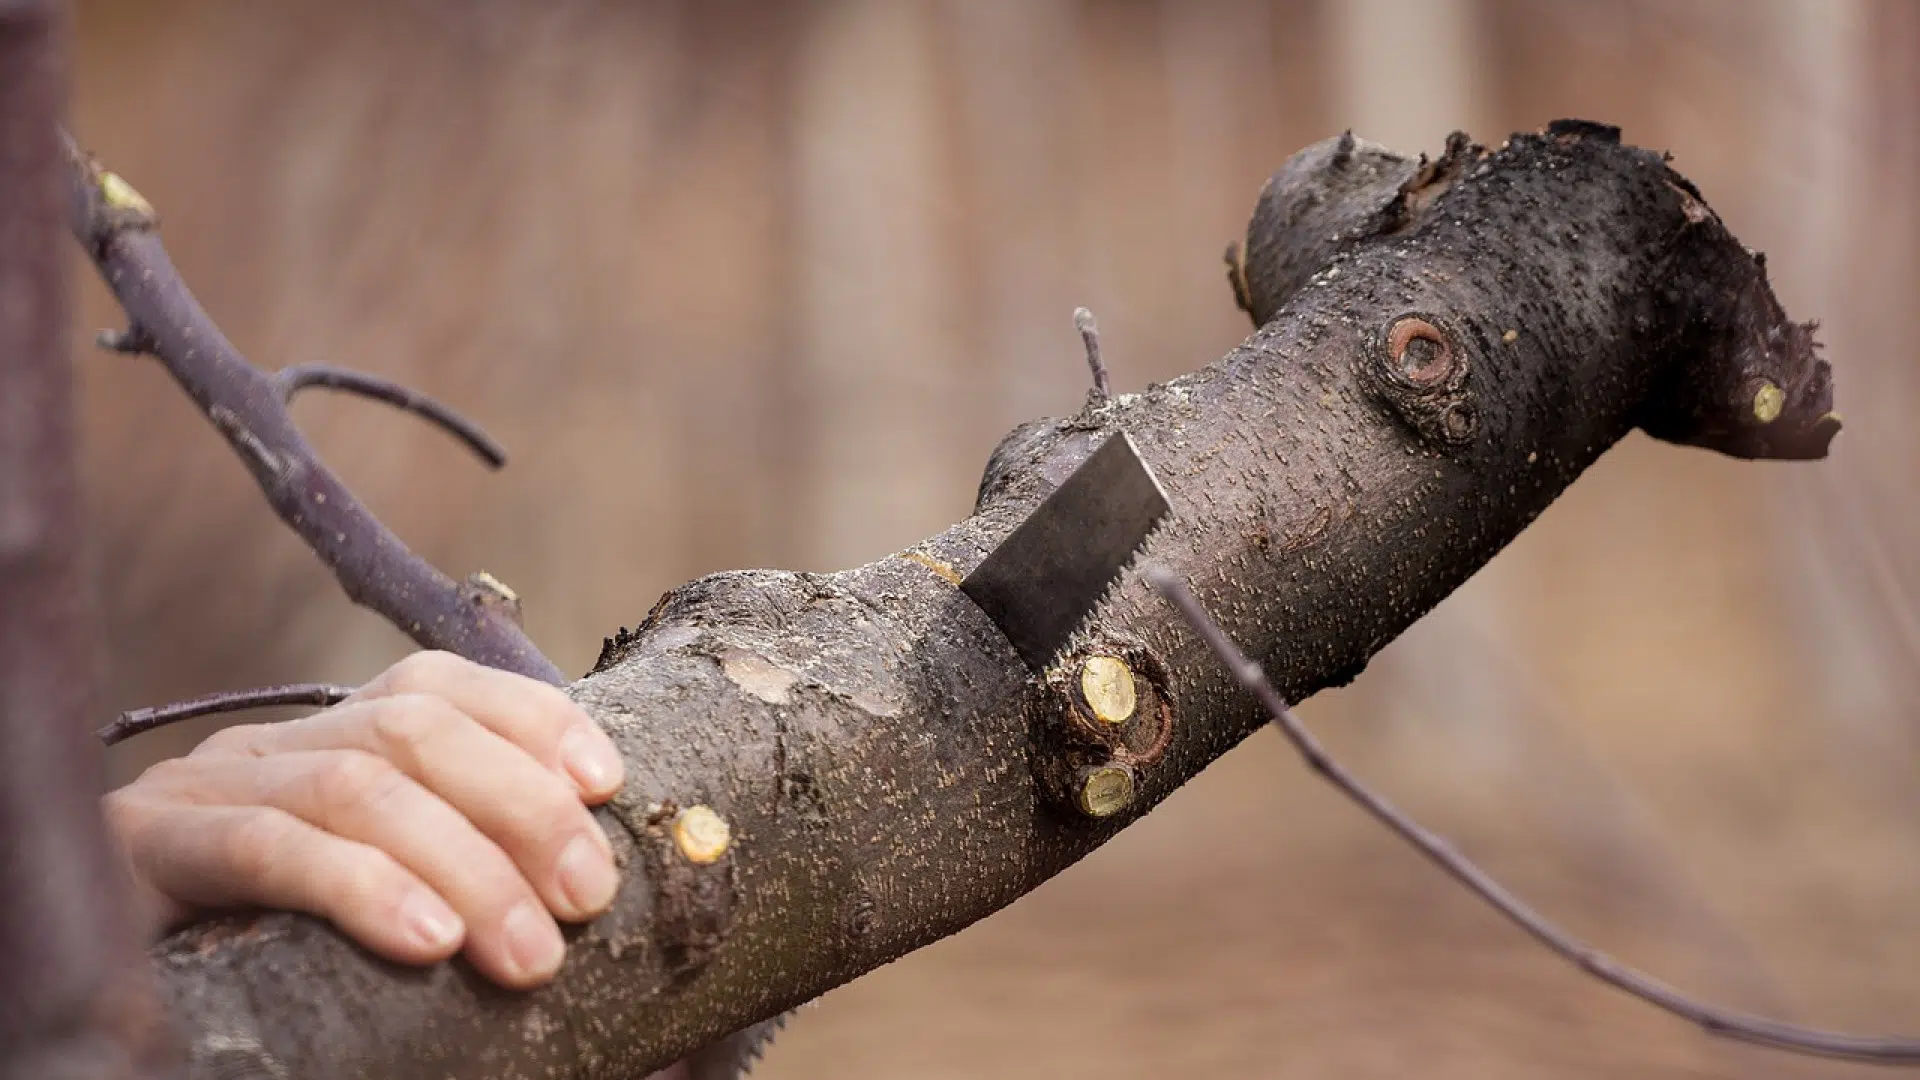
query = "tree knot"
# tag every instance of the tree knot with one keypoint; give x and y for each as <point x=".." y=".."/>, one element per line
<point x="1419" y="371"/>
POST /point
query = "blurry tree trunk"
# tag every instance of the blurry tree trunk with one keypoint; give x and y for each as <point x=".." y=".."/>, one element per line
<point x="75" y="1002"/>
<point x="867" y="184"/>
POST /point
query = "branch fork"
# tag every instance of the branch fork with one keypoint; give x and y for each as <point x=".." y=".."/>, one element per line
<point x="248" y="406"/>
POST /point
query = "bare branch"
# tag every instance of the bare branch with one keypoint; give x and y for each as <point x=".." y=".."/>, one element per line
<point x="1090" y="337"/>
<point x="294" y="379"/>
<point x="249" y="407"/>
<point x="478" y="619"/>
<point x="140" y="721"/>
<point x="74" y="997"/>
<point x="1877" y="1049"/>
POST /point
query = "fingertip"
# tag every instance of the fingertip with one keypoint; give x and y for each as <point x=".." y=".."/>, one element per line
<point x="592" y="762"/>
<point x="587" y="875"/>
<point x="531" y="949"/>
<point x="431" y="927"/>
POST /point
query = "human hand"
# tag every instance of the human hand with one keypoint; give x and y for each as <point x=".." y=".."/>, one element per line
<point x="443" y="805"/>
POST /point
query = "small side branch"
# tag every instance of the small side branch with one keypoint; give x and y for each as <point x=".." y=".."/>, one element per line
<point x="249" y="408"/>
<point x="1875" y="1049"/>
<point x="1090" y="337"/>
<point x="141" y="721"/>
<point x="294" y="379"/>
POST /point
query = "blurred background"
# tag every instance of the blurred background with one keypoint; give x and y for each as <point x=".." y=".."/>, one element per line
<point x="742" y="283"/>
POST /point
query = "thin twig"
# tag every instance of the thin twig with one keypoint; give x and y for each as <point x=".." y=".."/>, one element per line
<point x="249" y="407"/>
<point x="140" y="721"/>
<point x="1875" y="1049"/>
<point x="294" y="379"/>
<point x="1090" y="337"/>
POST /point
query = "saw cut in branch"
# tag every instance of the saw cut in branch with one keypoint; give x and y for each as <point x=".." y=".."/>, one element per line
<point x="249" y="407"/>
<point x="827" y="771"/>
<point x="1875" y="1049"/>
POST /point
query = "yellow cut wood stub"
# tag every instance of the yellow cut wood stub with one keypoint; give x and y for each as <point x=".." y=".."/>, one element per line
<point x="701" y="834"/>
<point x="1768" y="402"/>
<point x="1107" y="684"/>
<point x="480" y="579"/>
<point x="121" y="195"/>
<point x="1106" y="791"/>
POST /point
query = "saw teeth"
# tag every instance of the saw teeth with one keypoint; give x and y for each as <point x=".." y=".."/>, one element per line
<point x="1079" y="639"/>
<point x="748" y="1047"/>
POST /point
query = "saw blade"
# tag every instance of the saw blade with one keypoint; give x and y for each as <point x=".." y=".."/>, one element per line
<point x="730" y="1058"/>
<point x="1052" y="570"/>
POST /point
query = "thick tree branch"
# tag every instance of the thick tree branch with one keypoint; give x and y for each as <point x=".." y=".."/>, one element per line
<point x="140" y="721"/>
<point x="249" y="407"/>
<point x="1873" y="1049"/>
<point x="75" y="1002"/>
<point x="1479" y="331"/>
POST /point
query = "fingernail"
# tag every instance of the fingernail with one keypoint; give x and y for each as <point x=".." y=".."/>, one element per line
<point x="587" y="876"/>
<point x="533" y="942"/>
<point x="594" y="763"/>
<point x="429" y="921"/>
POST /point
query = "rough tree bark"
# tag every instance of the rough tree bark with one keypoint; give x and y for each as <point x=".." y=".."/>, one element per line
<point x="74" y="999"/>
<point x="1444" y="346"/>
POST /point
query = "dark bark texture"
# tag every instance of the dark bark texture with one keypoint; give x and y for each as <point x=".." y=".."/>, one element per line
<point x="1423" y="384"/>
<point x="74" y="999"/>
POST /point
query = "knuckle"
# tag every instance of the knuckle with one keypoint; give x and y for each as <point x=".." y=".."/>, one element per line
<point x="404" y="726"/>
<point x="168" y="775"/>
<point x="423" y="672"/>
<point x="364" y="879"/>
<point x="257" y="842"/>
<point x="352" y="778"/>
